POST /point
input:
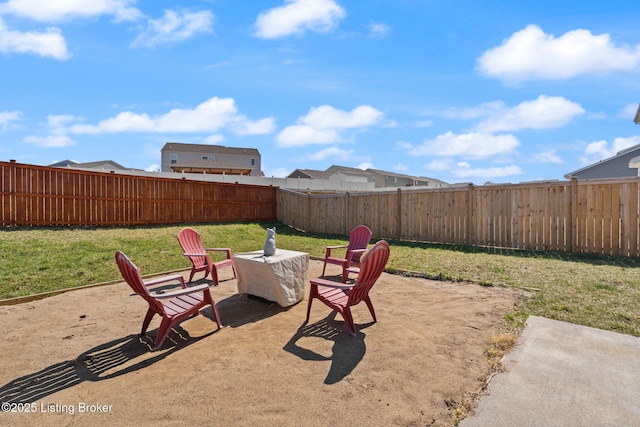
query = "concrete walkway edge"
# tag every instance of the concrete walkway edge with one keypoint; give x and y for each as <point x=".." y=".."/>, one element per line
<point x="561" y="374"/>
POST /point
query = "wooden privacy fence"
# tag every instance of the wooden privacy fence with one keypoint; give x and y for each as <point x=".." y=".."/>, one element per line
<point x="48" y="196"/>
<point x="599" y="217"/>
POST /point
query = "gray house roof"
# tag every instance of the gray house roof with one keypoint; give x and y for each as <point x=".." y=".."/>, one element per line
<point x="369" y="174"/>
<point x="420" y="179"/>
<point x="614" y="167"/>
<point x="209" y="149"/>
<point x="309" y="174"/>
<point x="101" y="165"/>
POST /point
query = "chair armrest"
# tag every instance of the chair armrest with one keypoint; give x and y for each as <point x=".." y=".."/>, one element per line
<point x="327" y="252"/>
<point x="185" y="291"/>
<point x="358" y="251"/>
<point x="227" y="250"/>
<point x="165" y="279"/>
<point x="330" y="283"/>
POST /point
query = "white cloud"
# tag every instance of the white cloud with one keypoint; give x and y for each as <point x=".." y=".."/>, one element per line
<point x="276" y="173"/>
<point x="300" y="135"/>
<point x="50" y="141"/>
<point x="472" y="145"/>
<point x="258" y="127"/>
<point x="439" y="165"/>
<point x="211" y="116"/>
<point x="298" y="16"/>
<point x="213" y="139"/>
<point x="465" y="171"/>
<point x="63" y="10"/>
<point x="174" y="27"/>
<point x="58" y="123"/>
<point x="547" y="157"/>
<point x="153" y="168"/>
<point x="424" y="123"/>
<point x="327" y="117"/>
<point x="600" y="150"/>
<point x="532" y="54"/>
<point x="57" y="129"/>
<point x="365" y="165"/>
<point x="401" y="167"/>
<point x="7" y="118"/>
<point x="326" y="125"/>
<point x="379" y="30"/>
<point x="545" y="112"/>
<point x="47" y="43"/>
<point x="332" y="152"/>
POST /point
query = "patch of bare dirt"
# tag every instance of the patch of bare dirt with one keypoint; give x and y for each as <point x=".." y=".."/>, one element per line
<point x="76" y="358"/>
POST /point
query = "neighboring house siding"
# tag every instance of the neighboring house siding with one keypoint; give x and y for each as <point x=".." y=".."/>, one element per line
<point x="211" y="159"/>
<point x="614" y="167"/>
<point x="381" y="179"/>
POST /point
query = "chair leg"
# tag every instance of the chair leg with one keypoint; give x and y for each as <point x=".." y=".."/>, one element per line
<point x="163" y="332"/>
<point x="147" y="320"/>
<point x="193" y="271"/>
<point x="367" y="301"/>
<point x="214" y="275"/>
<point x="313" y="291"/>
<point x="348" y="319"/>
<point x="324" y="267"/>
<point x="216" y="314"/>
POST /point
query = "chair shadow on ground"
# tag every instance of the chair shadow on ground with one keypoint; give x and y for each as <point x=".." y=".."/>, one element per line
<point x="105" y="361"/>
<point x="347" y="351"/>
<point x="240" y="309"/>
<point x="128" y="354"/>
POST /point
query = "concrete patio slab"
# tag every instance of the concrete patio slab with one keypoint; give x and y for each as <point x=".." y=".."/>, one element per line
<point x="561" y="374"/>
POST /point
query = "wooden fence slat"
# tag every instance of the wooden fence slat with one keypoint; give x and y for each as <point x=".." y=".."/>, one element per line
<point x="600" y="217"/>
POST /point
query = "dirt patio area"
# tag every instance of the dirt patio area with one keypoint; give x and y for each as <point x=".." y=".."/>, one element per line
<point x="78" y="360"/>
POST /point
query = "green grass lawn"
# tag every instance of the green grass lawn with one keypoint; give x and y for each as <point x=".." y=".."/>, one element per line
<point x="597" y="291"/>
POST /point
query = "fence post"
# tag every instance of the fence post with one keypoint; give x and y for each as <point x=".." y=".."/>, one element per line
<point x="470" y="215"/>
<point x="399" y="233"/>
<point x="11" y="191"/>
<point x="573" y="212"/>
<point x="308" y="221"/>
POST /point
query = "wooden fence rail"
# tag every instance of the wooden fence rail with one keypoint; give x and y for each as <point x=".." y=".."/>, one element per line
<point x="47" y="196"/>
<point x="600" y="217"/>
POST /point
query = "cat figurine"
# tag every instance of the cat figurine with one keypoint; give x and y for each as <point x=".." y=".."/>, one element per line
<point x="270" y="243"/>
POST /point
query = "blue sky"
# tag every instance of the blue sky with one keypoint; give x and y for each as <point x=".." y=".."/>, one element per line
<point x="462" y="91"/>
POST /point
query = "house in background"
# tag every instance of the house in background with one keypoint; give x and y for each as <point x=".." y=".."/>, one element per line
<point x="380" y="178"/>
<point x="99" y="166"/>
<point x="624" y="164"/>
<point x="390" y="179"/>
<point x="212" y="159"/>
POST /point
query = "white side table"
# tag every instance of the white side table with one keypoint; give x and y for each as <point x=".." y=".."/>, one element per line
<point x="280" y="278"/>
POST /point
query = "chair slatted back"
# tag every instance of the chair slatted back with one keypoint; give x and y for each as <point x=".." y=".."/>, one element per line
<point x="372" y="266"/>
<point x="131" y="274"/>
<point x="359" y="238"/>
<point x="191" y="243"/>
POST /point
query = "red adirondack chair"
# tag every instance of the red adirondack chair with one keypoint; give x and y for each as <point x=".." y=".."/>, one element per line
<point x="201" y="261"/>
<point x="173" y="306"/>
<point x="341" y="297"/>
<point x="358" y="240"/>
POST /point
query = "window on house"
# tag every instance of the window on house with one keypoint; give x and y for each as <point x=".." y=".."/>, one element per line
<point x="254" y="162"/>
<point x="174" y="159"/>
<point x="208" y="157"/>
